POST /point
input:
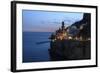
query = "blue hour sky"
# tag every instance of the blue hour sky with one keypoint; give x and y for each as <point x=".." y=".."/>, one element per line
<point x="47" y="21"/>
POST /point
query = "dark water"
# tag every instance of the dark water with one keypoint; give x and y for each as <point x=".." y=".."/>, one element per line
<point x="33" y="52"/>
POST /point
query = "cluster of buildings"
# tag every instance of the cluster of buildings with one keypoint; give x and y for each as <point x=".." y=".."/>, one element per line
<point x="65" y="33"/>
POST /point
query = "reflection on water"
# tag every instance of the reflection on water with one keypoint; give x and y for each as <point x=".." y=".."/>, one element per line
<point x="33" y="52"/>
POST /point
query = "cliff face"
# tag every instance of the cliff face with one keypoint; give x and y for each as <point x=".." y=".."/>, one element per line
<point x="70" y="50"/>
<point x="86" y="31"/>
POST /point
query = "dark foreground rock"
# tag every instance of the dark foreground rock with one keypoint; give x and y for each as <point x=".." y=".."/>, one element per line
<point x="70" y="50"/>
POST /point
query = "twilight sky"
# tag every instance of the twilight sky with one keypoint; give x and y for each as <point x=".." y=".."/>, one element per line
<point x="47" y="21"/>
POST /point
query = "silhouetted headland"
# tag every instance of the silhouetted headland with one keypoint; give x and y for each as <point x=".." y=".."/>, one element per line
<point x="72" y="42"/>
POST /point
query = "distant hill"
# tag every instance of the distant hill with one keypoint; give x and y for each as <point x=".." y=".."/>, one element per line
<point x="86" y="31"/>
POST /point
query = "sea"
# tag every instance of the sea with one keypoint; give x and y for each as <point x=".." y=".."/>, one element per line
<point x="35" y="46"/>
